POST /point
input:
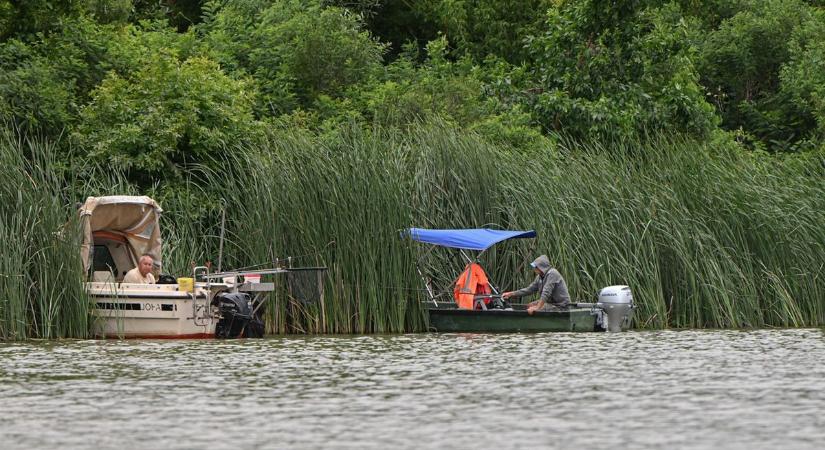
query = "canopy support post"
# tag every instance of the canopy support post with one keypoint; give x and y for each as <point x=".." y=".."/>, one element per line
<point x="495" y="290"/>
<point x="423" y="278"/>
<point x="464" y="254"/>
<point x="426" y="285"/>
<point x="471" y="261"/>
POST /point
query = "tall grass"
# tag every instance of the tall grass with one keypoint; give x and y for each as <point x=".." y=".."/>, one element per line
<point x="707" y="235"/>
<point x="340" y="204"/>
<point x="40" y="268"/>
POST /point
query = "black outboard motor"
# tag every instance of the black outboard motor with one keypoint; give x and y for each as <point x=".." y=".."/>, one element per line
<point x="238" y="316"/>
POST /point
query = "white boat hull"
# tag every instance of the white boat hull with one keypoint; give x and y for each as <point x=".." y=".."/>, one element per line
<point x="154" y="311"/>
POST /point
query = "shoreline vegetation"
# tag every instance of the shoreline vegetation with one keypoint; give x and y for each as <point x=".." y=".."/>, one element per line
<point x="708" y="236"/>
<point x="677" y="147"/>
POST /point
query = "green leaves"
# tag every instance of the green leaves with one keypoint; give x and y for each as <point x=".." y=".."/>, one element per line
<point x="165" y="113"/>
<point x="295" y="50"/>
<point x="482" y="28"/>
<point x="34" y="94"/>
<point x="753" y="68"/>
<point x="596" y="77"/>
<point x="129" y="85"/>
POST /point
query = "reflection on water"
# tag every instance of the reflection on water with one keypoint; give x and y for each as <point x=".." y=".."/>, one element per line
<point x="690" y="389"/>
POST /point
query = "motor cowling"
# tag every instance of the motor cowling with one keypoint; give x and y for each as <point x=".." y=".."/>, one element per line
<point x="239" y="317"/>
<point x="617" y="304"/>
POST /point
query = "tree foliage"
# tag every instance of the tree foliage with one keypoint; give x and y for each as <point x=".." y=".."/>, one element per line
<point x="617" y="73"/>
<point x="154" y="86"/>
<point x="163" y="106"/>
<point x="487" y="27"/>
<point x="35" y="94"/>
<point x="751" y="68"/>
<point x="295" y="50"/>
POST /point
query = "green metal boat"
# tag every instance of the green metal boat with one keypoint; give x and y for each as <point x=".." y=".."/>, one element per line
<point x="448" y="318"/>
<point x="478" y="306"/>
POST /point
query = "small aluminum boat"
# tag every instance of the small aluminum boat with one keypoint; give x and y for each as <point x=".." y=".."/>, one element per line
<point x="473" y="311"/>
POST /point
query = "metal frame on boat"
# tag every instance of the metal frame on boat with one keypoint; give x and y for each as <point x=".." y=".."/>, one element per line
<point x="117" y="230"/>
<point x="612" y="312"/>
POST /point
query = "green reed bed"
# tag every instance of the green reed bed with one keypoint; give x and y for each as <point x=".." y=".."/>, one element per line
<point x="707" y="235"/>
<point x="40" y="268"/>
<point x="341" y="205"/>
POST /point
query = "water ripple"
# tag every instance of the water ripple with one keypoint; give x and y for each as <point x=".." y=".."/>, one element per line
<point x="686" y="389"/>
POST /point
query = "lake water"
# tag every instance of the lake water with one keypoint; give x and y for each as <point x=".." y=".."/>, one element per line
<point x="667" y="389"/>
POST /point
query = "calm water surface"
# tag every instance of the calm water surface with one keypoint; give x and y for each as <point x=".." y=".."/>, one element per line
<point x="689" y="389"/>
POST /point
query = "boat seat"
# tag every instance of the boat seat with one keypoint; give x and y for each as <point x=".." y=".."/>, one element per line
<point x="103" y="276"/>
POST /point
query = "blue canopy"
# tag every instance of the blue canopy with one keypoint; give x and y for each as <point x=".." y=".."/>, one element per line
<point x="473" y="239"/>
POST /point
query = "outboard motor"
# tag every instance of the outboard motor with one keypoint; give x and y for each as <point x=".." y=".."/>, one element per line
<point x="238" y="316"/>
<point x="617" y="304"/>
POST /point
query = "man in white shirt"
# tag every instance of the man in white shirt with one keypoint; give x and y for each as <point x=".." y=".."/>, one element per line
<point x="141" y="274"/>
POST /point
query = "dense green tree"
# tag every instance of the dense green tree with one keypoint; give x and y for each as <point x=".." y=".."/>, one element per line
<point x="17" y="18"/>
<point x="396" y="23"/>
<point x="295" y="50"/>
<point x="478" y="27"/>
<point x="34" y="94"/>
<point x="486" y="27"/>
<point x="803" y="79"/>
<point x="163" y="108"/>
<point x="110" y="11"/>
<point x="435" y="87"/>
<point x="20" y="18"/>
<point x="742" y="65"/>
<point x="44" y="81"/>
<point x="457" y="90"/>
<point x="180" y="14"/>
<point x="617" y="72"/>
<point x="366" y="8"/>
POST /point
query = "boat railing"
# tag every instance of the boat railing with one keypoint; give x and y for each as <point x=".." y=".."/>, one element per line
<point x="202" y="314"/>
<point x="305" y="284"/>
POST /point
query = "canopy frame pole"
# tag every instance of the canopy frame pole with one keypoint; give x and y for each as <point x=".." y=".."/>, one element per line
<point x="464" y="254"/>
<point x="423" y="278"/>
<point x="427" y="286"/>
<point x="475" y="261"/>
<point x="420" y="258"/>
<point x="492" y="286"/>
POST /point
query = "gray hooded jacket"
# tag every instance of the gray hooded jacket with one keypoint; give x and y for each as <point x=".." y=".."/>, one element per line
<point x="550" y="285"/>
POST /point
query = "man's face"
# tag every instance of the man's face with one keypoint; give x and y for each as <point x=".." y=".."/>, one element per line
<point x="537" y="271"/>
<point x="145" y="265"/>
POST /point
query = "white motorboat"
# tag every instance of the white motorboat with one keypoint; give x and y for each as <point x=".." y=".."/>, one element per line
<point x="117" y="231"/>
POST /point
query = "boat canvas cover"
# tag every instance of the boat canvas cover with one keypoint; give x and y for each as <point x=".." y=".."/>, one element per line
<point x="473" y="281"/>
<point x="136" y="218"/>
<point x="471" y="239"/>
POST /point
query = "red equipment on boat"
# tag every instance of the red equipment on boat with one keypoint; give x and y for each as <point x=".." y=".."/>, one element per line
<point x="471" y="283"/>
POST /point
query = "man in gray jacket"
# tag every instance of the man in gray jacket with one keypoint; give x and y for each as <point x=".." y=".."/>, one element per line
<point x="549" y="284"/>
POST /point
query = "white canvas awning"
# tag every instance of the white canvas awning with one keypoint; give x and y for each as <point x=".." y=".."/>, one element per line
<point x="136" y="218"/>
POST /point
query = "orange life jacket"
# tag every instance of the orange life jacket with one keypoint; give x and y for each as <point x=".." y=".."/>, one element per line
<point x="473" y="281"/>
